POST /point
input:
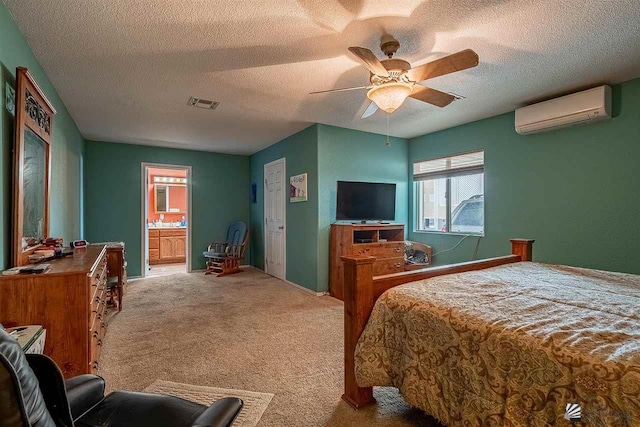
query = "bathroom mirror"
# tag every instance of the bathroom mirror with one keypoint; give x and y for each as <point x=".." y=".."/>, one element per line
<point x="170" y="198"/>
<point x="31" y="167"/>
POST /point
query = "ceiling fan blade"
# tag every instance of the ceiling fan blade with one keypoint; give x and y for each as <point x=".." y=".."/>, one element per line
<point x="369" y="60"/>
<point x="431" y="96"/>
<point x="344" y="89"/>
<point x="449" y="64"/>
<point x="372" y="108"/>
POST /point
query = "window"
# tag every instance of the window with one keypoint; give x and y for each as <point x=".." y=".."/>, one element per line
<point x="450" y="194"/>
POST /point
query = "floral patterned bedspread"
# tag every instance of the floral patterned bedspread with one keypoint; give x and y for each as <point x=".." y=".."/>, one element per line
<point x="510" y="346"/>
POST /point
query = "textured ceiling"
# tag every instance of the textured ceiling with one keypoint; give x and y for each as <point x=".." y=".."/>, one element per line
<point x="125" y="69"/>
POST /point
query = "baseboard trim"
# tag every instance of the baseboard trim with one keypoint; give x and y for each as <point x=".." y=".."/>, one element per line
<point x="314" y="293"/>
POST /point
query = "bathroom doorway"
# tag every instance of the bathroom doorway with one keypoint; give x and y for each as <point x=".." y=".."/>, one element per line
<point x="166" y="219"/>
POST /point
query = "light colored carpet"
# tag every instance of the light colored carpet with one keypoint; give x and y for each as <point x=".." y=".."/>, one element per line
<point x="253" y="408"/>
<point x="247" y="331"/>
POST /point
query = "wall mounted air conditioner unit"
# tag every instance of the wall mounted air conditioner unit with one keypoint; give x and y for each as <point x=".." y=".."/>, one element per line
<point x="589" y="106"/>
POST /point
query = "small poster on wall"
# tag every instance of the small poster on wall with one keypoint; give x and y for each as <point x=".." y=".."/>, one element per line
<point x="10" y="99"/>
<point x="298" y="188"/>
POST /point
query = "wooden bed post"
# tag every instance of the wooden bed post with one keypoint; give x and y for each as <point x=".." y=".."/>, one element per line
<point x="358" y="303"/>
<point x="522" y="247"/>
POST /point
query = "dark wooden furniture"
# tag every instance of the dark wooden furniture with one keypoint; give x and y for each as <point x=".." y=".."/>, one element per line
<point x="31" y="167"/>
<point x="117" y="271"/>
<point x="167" y="245"/>
<point x="362" y="289"/>
<point x="384" y="242"/>
<point x="68" y="301"/>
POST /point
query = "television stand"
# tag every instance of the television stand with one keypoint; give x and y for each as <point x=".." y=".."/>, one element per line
<point x="383" y="241"/>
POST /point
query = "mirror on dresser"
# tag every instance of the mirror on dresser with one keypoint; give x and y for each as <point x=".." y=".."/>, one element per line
<point x="31" y="167"/>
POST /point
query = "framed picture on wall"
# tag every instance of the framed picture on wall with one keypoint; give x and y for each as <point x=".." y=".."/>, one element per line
<point x="298" y="188"/>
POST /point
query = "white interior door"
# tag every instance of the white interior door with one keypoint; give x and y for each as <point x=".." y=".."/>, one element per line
<point x="275" y="218"/>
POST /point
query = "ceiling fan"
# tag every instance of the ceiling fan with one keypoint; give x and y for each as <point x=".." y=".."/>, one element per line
<point x="393" y="79"/>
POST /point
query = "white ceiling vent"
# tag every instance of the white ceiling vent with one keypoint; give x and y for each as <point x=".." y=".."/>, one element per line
<point x="203" y="103"/>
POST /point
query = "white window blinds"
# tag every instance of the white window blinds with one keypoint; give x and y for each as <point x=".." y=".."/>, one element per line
<point x="444" y="167"/>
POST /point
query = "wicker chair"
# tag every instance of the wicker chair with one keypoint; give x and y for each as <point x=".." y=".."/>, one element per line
<point x="224" y="257"/>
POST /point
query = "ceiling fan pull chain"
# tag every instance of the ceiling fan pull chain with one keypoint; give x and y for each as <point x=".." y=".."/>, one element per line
<point x="388" y="144"/>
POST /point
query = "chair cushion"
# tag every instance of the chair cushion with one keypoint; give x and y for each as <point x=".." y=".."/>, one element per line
<point x="214" y="254"/>
<point x="83" y="392"/>
<point x="130" y="409"/>
<point x="236" y="233"/>
<point x="32" y="400"/>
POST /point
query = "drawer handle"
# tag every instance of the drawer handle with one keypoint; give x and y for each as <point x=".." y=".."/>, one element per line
<point x="363" y="251"/>
<point x="95" y="334"/>
<point x="397" y="264"/>
<point x="99" y="342"/>
<point x="95" y="365"/>
<point x="397" y="249"/>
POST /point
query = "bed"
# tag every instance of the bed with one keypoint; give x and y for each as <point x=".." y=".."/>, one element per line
<point x="504" y="341"/>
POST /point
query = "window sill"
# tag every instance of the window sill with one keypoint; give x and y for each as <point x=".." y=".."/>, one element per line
<point x="448" y="233"/>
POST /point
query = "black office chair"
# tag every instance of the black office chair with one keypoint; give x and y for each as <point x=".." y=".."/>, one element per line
<point x="33" y="393"/>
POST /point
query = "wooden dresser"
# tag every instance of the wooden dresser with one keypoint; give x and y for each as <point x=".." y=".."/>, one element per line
<point x="167" y="245"/>
<point x="385" y="242"/>
<point x="68" y="301"/>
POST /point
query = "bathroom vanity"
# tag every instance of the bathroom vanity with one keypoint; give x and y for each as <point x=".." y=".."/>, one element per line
<point x="167" y="245"/>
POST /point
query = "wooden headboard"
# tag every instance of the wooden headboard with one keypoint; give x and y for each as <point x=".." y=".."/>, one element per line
<point x="362" y="289"/>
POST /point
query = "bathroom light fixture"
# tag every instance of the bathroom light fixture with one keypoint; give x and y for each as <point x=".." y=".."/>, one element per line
<point x="390" y="96"/>
<point x="169" y="179"/>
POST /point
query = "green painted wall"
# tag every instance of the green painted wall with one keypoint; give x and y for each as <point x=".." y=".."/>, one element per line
<point x="112" y="202"/>
<point x="67" y="148"/>
<point x="349" y="155"/>
<point x="301" y="152"/>
<point x="574" y="190"/>
<point x="327" y="154"/>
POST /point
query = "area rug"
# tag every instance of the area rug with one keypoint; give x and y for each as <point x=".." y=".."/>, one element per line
<point x="254" y="403"/>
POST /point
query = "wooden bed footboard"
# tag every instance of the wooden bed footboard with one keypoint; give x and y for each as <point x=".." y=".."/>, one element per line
<point x="362" y="289"/>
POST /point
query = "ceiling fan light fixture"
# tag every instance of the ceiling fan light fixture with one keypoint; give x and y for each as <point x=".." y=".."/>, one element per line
<point x="390" y="96"/>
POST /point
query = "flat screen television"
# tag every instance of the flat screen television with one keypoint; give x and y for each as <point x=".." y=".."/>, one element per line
<point x="366" y="201"/>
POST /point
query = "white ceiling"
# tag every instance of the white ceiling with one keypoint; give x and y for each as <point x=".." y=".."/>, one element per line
<point x="125" y="69"/>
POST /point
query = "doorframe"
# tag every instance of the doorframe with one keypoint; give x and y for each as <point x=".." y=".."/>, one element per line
<point x="144" y="166"/>
<point x="284" y="210"/>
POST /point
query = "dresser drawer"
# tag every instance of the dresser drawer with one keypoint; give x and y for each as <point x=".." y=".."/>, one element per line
<point x="95" y="347"/>
<point x="154" y="243"/>
<point x="154" y="233"/>
<point x="98" y="300"/>
<point x="99" y="276"/>
<point x="380" y="250"/>
<point x="388" y="266"/>
<point x="98" y="311"/>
